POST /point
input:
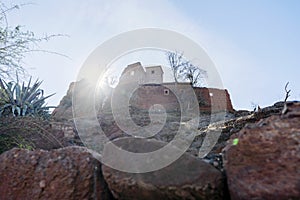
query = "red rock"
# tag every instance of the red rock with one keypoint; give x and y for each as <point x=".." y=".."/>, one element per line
<point x="265" y="162"/>
<point x="68" y="173"/>
<point x="186" y="178"/>
<point x="64" y="110"/>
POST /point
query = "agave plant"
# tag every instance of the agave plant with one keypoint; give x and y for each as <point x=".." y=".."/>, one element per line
<point x="23" y="100"/>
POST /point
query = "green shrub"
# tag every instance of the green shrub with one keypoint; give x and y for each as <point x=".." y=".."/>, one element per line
<point x="23" y="100"/>
<point x="29" y="133"/>
<point x="8" y="142"/>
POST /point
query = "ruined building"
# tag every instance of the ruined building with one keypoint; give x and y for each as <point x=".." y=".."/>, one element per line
<point x="153" y="90"/>
<point x="137" y="73"/>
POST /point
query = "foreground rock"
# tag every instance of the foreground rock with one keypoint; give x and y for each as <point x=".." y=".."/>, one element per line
<point x="186" y="178"/>
<point x="68" y="173"/>
<point x="264" y="162"/>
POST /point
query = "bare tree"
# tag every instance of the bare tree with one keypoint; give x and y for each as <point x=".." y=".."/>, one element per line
<point x="177" y="63"/>
<point x="15" y="43"/>
<point x="194" y="75"/>
<point x="183" y="70"/>
<point x="287" y="92"/>
<point x="111" y="80"/>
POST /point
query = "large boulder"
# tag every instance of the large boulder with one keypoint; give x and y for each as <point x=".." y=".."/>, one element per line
<point x="186" y="178"/>
<point x="262" y="161"/>
<point x="68" y="173"/>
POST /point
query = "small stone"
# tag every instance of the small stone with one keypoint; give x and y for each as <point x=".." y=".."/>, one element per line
<point x="215" y="163"/>
<point x="42" y="184"/>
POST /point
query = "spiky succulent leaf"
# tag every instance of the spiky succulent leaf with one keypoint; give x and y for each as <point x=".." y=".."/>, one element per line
<point x="21" y="100"/>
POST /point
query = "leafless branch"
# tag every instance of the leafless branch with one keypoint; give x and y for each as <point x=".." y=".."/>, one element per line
<point x="15" y="43"/>
<point x="287" y="92"/>
<point x="177" y="63"/>
<point x="184" y="70"/>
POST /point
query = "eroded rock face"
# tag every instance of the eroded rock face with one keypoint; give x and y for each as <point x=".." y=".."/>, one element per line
<point x="64" y="109"/>
<point x="264" y="164"/>
<point x="186" y="178"/>
<point x="68" y="173"/>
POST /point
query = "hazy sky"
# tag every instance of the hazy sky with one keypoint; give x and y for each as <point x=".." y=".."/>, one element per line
<point x="255" y="45"/>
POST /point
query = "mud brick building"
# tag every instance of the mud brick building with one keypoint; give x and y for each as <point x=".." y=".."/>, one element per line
<point x="152" y="90"/>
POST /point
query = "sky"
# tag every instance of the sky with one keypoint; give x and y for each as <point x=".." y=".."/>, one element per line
<point x="255" y="45"/>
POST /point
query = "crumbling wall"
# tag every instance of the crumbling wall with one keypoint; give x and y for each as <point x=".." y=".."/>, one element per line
<point x="148" y="95"/>
<point x="209" y="99"/>
<point x="213" y="99"/>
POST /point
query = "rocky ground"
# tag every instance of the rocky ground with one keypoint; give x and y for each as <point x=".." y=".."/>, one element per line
<point x="265" y="162"/>
<point x="256" y="157"/>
